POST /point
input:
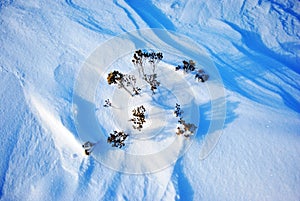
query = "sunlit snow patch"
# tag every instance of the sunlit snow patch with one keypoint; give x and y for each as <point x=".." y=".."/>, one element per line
<point x="66" y="144"/>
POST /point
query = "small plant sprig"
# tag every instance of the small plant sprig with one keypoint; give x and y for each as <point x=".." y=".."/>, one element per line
<point x="140" y="59"/>
<point x="178" y="112"/>
<point x="151" y="79"/>
<point x="88" y="147"/>
<point x="117" y="139"/>
<point x="114" y="77"/>
<point x="186" y="129"/>
<point x="201" y="76"/>
<point x="138" y="117"/>
<point x="187" y="66"/>
<point x="124" y="81"/>
<point x="130" y="81"/>
<point x="190" y="66"/>
<point x="107" y="103"/>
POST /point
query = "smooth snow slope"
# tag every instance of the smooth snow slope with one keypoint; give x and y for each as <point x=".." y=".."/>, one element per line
<point x="255" y="47"/>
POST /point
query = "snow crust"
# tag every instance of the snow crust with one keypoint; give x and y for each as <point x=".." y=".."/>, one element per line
<point x="52" y="78"/>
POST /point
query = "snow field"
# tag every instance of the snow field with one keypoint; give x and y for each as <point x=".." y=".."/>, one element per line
<point x="255" y="48"/>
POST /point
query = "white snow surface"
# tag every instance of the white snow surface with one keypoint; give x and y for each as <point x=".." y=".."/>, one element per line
<point x="252" y="45"/>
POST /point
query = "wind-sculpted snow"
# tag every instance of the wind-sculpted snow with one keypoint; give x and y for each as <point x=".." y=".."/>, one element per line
<point x="287" y="7"/>
<point x="182" y="183"/>
<point x="254" y="42"/>
<point x="5" y="3"/>
<point x="151" y="14"/>
<point x="254" y="46"/>
<point x="11" y="125"/>
<point x="252" y="49"/>
<point x="86" y="19"/>
<point x="130" y="16"/>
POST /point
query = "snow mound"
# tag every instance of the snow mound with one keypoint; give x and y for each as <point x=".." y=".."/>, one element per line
<point x="94" y="125"/>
